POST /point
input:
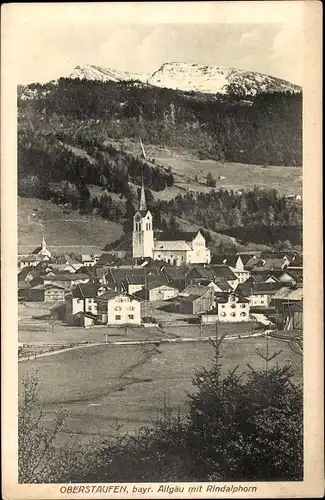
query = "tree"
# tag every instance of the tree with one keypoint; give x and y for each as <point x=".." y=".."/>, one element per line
<point x="210" y="180"/>
<point x="38" y="459"/>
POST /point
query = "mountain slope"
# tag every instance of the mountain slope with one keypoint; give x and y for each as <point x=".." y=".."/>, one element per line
<point x="194" y="77"/>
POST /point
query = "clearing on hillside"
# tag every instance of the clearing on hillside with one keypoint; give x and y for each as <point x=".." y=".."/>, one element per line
<point x="64" y="232"/>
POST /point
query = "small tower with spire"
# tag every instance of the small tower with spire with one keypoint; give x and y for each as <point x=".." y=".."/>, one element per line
<point x="43" y="250"/>
<point x="142" y="236"/>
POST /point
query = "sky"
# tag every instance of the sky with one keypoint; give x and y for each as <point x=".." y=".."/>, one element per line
<point x="50" y="40"/>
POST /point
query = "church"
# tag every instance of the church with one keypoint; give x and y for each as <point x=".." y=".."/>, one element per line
<point x="176" y="249"/>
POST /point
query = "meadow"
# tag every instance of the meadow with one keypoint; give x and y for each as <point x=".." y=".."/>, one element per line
<point x="65" y="230"/>
<point x="104" y="386"/>
<point x="237" y="176"/>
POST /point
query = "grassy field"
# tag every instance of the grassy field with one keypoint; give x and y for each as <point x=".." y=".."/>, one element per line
<point x="237" y="175"/>
<point x="100" y="384"/>
<point x="64" y="232"/>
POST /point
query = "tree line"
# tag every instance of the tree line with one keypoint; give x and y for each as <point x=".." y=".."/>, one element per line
<point x="265" y="129"/>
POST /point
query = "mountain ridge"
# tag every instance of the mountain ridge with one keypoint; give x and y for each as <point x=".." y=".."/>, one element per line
<point x="193" y="77"/>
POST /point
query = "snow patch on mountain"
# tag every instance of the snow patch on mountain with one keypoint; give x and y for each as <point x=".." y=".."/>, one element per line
<point x="193" y="77"/>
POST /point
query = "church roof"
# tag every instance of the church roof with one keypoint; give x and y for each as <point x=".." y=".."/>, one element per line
<point x="172" y="245"/>
<point x="177" y="236"/>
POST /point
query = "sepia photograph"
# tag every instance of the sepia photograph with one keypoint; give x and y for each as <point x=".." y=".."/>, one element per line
<point x="160" y="260"/>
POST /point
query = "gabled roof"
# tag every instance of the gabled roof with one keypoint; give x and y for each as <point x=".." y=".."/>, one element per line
<point x="222" y="271"/>
<point x="177" y="236"/>
<point x="22" y="275"/>
<point x="31" y="258"/>
<point x="224" y="299"/>
<point x="107" y="296"/>
<point x="180" y="245"/>
<point x="190" y="298"/>
<point x="197" y="290"/>
<point x="106" y="259"/>
<point x="36" y="250"/>
<point x="47" y="287"/>
<point x="67" y="277"/>
<point x="250" y="287"/>
<point x="85" y="290"/>
<point x="229" y="260"/>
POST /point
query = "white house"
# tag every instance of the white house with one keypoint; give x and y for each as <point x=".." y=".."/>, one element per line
<point x="232" y="308"/>
<point x="116" y="308"/>
<point x="176" y="249"/>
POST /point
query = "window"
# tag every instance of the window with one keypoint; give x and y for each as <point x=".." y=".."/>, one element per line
<point x="223" y="306"/>
<point x="117" y="317"/>
<point x="243" y="306"/>
<point x="131" y="308"/>
<point x="131" y="316"/>
<point x="117" y="308"/>
<point x="262" y="301"/>
<point x="89" y="308"/>
<point x="243" y="314"/>
<point x="233" y="306"/>
<point x="233" y="314"/>
<point x="223" y="314"/>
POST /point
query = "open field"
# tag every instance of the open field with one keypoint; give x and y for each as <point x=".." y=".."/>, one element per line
<point x="64" y="232"/>
<point x="100" y="384"/>
<point x="237" y="175"/>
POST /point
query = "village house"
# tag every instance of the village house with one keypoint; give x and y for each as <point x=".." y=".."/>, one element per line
<point x="47" y="293"/>
<point x="89" y="259"/>
<point x="235" y="264"/>
<point x="82" y="299"/>
<point x="67" y="280"/>
<point x="258" y="294"/>
<point x="156" y="291"/>
<point x="30" y="261"/>
<point x="216" y="273"/>
<point x="285" y="297"/>
<point x="116" y="309"/>
<point x="229" y="308"/>
<point x="268" y="266"/>
<point x="196" y="299"/>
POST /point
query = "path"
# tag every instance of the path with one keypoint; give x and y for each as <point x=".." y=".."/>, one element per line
<point x="156" y="342"/>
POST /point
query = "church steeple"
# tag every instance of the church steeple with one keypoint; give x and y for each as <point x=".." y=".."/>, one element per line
<point x="43" y="243"/>
<point x="143" y="203"/>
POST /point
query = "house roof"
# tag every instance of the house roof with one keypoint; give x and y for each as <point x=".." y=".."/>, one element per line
<point x="22" y="275"/>
<point x="286" y="293"/>
<point x="106" y="258"/>
<point x="197" y="290"/>
<point x="190" y="298"/>
<point x="31" y="258"/>
<point x="47" y="287"/>
<point x="245" y="257"/>
<point x="177" y="236"/>
<point x="230" y="259"/>
<point x="222" y="271"/>
<point x="250" y="287"/>
<point x="85" y="290"/>
<point x="23" y="285"/>
<point x="110" y="294"/>
<point x="223" y="299"/>
<point x="36" y="250"/>
<point x="67" y="277"/>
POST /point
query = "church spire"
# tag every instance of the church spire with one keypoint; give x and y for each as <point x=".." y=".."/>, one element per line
<point x="43" y="243"/>
<point x="143" y="203"/>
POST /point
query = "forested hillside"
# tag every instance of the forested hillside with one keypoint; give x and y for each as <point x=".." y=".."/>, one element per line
<point x="64" y="130"/>
<point x="266" y="129"/>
